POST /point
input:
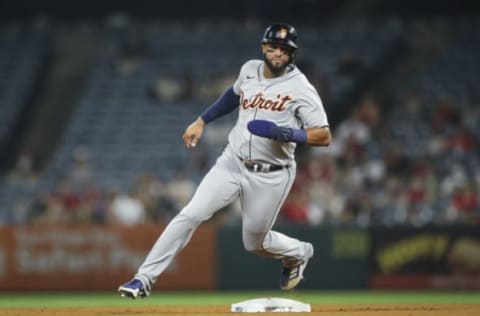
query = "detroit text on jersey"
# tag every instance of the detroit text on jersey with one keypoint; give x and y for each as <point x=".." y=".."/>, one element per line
<point x="259" y="101"/>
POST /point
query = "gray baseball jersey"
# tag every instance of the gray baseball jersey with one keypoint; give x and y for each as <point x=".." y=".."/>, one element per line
<point x="289" y="100"/>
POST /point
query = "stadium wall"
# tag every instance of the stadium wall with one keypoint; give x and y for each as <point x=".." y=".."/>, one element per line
<point x="100" y="258"/>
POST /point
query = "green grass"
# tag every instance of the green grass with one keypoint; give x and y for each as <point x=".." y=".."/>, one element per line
<point x="227" y="298"/>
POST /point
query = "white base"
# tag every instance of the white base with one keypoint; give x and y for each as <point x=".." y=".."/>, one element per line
<point x="270" y="304"/>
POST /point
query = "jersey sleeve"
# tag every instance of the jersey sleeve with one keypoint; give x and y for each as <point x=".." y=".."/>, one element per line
<point x="310" y="109"/>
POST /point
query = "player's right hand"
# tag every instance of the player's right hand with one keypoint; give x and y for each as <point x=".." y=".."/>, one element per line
<point x="193" y="133"/>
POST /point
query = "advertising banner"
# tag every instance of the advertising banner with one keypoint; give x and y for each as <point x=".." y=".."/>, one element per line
<point x="434" y="257"/>
<point x="99" y="258"/>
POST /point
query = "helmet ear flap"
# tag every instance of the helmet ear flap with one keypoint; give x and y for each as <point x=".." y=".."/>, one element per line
<point x="293" y="57"/>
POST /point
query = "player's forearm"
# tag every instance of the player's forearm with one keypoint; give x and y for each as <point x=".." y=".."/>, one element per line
<point x="225" y="104"/>
<point x="318" y="136"/>
<point x="313" y="136"/>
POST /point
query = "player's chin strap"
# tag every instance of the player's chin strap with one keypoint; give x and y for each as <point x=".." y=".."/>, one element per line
<point x="267" y="129"/>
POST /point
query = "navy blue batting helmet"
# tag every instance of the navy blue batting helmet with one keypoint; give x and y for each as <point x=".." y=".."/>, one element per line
<point x="281" y="33"/>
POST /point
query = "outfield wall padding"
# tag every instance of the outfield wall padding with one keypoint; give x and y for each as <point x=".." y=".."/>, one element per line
<point x="340" y="260"/>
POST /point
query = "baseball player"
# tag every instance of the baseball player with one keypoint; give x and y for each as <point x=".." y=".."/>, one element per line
<point x="279" y="108"/>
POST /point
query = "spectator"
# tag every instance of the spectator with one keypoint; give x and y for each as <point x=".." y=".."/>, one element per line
<point x="126" y="210"/>
<point x="180" y="189"/>
<point x="295" y="208"/>
<point x="464" y="205"/>
<point x="24" y="170"/>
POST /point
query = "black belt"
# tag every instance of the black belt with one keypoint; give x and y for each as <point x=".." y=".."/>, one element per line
<point x="256" y="166"/>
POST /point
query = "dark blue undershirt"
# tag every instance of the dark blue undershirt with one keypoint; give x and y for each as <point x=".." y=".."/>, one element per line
<point x="225" y="104"/>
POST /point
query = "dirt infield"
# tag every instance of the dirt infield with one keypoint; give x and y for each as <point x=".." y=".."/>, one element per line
<point x="351" y="310"/>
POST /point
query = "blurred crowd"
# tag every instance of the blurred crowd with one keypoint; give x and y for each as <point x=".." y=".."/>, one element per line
<point x="412" y="160"/>
<point x="76" y="198"/>
<point x="414" y="165"/>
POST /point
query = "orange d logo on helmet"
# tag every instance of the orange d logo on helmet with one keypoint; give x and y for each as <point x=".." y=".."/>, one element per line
<point x="282" y="33"/>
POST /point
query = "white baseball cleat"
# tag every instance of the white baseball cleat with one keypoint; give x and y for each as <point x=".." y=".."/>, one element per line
<point x="292" y="272"/>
